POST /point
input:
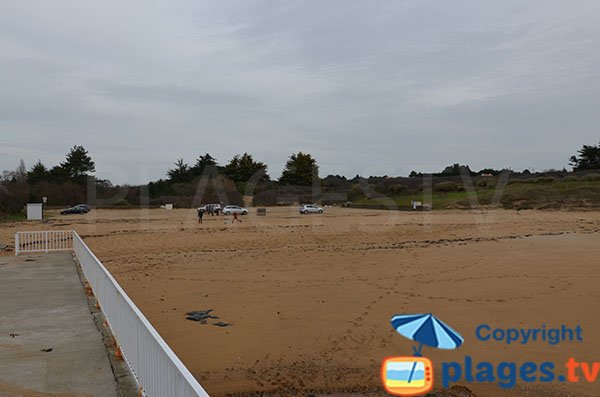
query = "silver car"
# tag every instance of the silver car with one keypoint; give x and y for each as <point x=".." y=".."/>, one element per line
<point x="234" y="209"/>
<point x="310" y="209"/>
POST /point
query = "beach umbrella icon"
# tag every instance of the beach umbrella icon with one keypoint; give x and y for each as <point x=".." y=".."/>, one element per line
<point x="426" y="329"/>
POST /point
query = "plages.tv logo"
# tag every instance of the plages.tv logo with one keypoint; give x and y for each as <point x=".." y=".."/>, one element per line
<point x="413" y="376"/>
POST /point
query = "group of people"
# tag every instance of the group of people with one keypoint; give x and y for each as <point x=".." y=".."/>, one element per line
<point x="214" y="211"/>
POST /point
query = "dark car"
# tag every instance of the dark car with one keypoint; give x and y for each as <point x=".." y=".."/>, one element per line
<point x="78" y="209"/>
<point x="87" y="207"/>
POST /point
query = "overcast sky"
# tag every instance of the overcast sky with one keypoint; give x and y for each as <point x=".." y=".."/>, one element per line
<point x="368" y="87"/>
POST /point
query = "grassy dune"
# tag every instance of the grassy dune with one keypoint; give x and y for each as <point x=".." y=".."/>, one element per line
<point x="530" y="194"/>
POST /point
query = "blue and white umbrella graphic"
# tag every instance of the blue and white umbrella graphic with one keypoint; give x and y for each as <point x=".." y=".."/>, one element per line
<point x="428" y="330"/>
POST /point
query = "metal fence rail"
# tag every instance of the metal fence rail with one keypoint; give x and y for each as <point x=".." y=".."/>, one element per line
<point x="44" y="241"/>
<point x="156" y="368"/>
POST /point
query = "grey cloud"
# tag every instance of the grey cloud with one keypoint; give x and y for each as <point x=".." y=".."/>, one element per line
<point x="172" y="95"/>
<point x="384" y="86"/>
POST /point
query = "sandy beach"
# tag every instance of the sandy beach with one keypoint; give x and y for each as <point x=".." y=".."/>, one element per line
<point x="309" y="298"/>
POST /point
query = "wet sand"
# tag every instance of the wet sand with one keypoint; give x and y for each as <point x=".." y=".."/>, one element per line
<point x="310" y="297"/>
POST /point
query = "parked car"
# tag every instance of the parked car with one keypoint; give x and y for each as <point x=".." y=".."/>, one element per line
<point x="87" y="207"/>
<point x="213" y="207"/>
<point x="78" y="209"/>
<point x="234" y="209"/>
<point x="310" y="209"/>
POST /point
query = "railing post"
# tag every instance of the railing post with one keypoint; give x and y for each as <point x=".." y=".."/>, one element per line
<point x="46" y="241"/>
<point x="17" y="244"/>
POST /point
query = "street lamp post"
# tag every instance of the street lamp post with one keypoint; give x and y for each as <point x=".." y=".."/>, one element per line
<point x="44" y="201"/>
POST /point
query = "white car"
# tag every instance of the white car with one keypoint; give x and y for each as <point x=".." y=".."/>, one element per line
<point x="234" y="209"/>
<point x="310" y="209"/>
<point x="213" y="207"/>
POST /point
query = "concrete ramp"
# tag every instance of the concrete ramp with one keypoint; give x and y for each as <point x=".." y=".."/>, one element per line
<point x="49" y="343"/>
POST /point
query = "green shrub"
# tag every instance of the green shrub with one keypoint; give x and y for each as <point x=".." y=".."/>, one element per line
<point x="544" y="179"/>
<point x="570" y="178"/>
<point x="519" y="181"/>
<point x="447" y="187"/>
<point x="267" y="198"/>
<point x="396" y="189"/>
<point x="356" y="193"/>
<point x="591" y="178"/>
<point x="486" y="182"/>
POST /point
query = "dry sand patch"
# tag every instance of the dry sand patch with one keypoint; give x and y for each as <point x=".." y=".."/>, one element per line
<point x="310" y="297"/>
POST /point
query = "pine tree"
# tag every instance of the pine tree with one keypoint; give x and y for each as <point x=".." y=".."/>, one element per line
<point x="37" y="173"/>
<point x="244" y="169"/>
<point x="300" y="170"/>
<point x="202" y="163"/>
<point x="588" y="159"/>
<point x="78" y="163"/>
<point x="181" y="172"/>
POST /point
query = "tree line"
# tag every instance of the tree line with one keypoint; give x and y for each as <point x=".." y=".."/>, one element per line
<point x="205" y="180"/>
<point x="66" y="182"/>
<point x="301" y="169"/>
<point x="69" y="182"/>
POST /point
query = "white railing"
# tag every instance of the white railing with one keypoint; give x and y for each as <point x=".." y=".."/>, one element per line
<point x="45" y="241"/>
<point x="156" y="368"/>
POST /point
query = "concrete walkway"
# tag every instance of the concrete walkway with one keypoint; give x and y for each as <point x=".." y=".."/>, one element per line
<point x="49" y="343"/>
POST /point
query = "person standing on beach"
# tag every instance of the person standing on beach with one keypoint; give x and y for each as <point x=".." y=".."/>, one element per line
<point x="236" y="218"/>
<point x="200" y="215"/>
